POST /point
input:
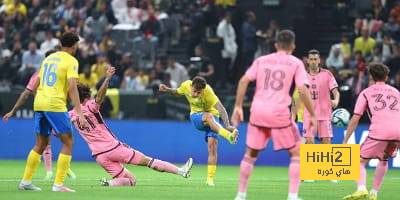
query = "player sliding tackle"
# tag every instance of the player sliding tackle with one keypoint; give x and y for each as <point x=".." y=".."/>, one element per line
<point x="381" y="101"/>
<point x="206" y="110"/>
<point x="109" y="152"/>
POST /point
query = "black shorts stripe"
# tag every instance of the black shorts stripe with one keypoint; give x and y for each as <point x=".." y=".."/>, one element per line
<point x="258" y="126"/>
<point x="106" y="151"/>
<point x="133" y="155"/>
<point x="119" y="173"/>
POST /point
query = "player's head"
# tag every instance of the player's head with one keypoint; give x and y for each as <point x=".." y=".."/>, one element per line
<point x="313" y="58"/>
<point x="49" y="52"/>
<point x="84" y="92"/>
<point x="198" y="85"/>
<point x="69" y="40"/>
<point x="285" y="41"/>
<point x="378" y="71"/>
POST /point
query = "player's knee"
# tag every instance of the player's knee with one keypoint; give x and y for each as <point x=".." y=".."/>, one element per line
<point x="385" y="157"/>
<point x="295" y="152"/>
<point x="252" y="153"/>
<point x="39" y="148"/>
<point x="207" y="116"/>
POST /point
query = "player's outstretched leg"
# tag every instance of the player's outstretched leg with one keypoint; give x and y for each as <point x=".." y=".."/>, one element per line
<point x="47" y="159"/>
<point x="63" y="163"/>
<point x="33" y="162"/>
<point x="162" y="166"/>
<point x="362" y="191"/>
<point x="380" y="173"/>
<point x="246" y="168"/>
<point x="230" y="135"/>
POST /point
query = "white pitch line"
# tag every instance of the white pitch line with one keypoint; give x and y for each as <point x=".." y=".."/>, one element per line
<point x="155" y="179"/>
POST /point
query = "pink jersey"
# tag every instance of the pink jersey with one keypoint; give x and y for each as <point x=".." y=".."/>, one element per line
<point x="274" y="75"/>
<point x="98" y="136"/>
<point x="32" y="82"/>
<point x="382" y="102"/>
<point x="320" y="90"/>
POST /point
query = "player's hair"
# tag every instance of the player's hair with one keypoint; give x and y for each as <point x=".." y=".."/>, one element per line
<point x="199" y="83"/>
<point x="49" y="52"/>
<point x="84" y="92"/>
<point x="286" y="39"/>
<point x="313" y="52"/>
<point x="378" y="71"/>
<point x="68" y="39"/>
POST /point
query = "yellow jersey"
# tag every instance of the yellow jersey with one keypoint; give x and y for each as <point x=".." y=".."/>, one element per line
<point x="204" y="103"/>
<point x="54" y="73"/>
<point x="11" y="9"/>
<point x="99" y="69"/>
<point x="301" y="109"/>
<point x="91" y="81"/>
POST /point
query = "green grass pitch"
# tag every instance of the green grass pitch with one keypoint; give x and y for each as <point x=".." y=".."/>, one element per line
<point x="265" y="183"/>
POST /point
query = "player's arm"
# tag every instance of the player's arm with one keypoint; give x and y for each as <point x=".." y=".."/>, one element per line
<point x="336" y="98"/>
<point x="295" y="107"/>
<point x="222" y="112"/>
<point x="351" y="127"/>
<point x="21" y="101"/>
<point x="237" y="115"/>
<point x="74" y="96"/>
<point x="164" y="88"/>
<point x="103" y="89"/>
<point x="304" y="96"/>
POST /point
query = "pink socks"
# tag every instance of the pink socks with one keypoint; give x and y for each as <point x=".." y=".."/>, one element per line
<point x="246" y="168"/>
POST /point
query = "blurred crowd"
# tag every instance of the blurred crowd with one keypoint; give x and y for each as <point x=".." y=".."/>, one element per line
<point x="217" y="43"/>
<point x="374" y="36"/>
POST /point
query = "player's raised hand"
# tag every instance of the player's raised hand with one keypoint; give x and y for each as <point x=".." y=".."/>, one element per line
<point x="110" y="71"/>
<point x="7" y="116"/>
<point x="237" y="116"/>
<point x="162" y="88"/>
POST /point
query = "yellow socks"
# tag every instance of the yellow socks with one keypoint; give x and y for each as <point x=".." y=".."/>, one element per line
<point x="63" y="164"/>
<point x="224" y="133"/>
<point x="211" y="171"/>
<point x="32" y="163"/>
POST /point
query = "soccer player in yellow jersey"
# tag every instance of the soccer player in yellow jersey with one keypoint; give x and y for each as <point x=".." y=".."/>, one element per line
<point x="57" y="80"/>
<point x="31" y="89"/>
<point x="297" y="110"/>
<point x="205" y="112"/>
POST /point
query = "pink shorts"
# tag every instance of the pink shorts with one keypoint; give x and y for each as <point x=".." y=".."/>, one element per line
<point x="324" y="129"/>
<point x="284" y="138"/>
<point x="372" y="148"/>
<point x="113" y="161"/>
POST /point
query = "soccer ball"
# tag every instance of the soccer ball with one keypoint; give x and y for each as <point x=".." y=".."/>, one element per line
<point x="340" y="117"/>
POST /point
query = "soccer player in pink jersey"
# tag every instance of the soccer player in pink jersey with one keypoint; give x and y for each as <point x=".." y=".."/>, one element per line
<point x="31" y="89"/>
<point x="109" y="152"/>
<point x="381" y="102"/>
<point x="322" y="83"/>
<point x="270" y="115"/>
